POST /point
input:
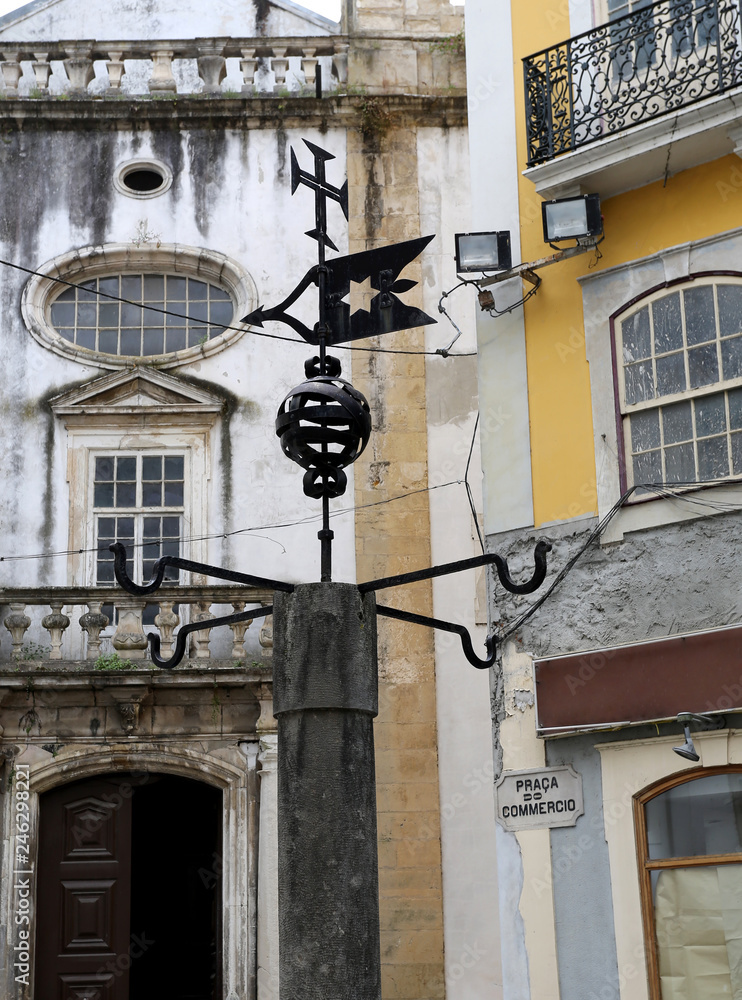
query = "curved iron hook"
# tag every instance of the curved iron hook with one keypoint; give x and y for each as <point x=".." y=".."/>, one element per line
<point x="158" y="573"/>
<point x="185" y="631"/>
<point x="490" y="643"/>
<point x="539" y="573"/>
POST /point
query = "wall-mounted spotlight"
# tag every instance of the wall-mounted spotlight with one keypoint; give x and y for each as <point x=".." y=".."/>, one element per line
<point x="572" y="218"/>
<point x="688" y="750"/>
<point x="483" y="252"/>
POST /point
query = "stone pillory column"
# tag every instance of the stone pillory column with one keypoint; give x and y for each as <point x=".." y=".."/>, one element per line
<point x="325" y="695"/>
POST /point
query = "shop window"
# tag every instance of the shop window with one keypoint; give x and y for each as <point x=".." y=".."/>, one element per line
<point x="690" y="847"/>
<point x="679" y="366"/>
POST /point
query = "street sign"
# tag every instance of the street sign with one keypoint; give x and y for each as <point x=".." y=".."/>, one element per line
<point x="539" y="797"/>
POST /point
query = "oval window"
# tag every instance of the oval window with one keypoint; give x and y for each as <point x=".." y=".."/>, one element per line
<point x="143" y="178"/>
<point x="141" y="315"/>
<point x="113" y="304"/>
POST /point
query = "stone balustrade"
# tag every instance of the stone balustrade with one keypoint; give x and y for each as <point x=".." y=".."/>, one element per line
<point x="44" y="622"/>
<point x="235" y="66"/>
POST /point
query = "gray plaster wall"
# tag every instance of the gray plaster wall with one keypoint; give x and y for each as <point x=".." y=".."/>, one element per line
<point x="656" y="582"/>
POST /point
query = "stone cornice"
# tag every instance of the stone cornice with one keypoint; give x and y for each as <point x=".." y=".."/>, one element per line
<point x="188" y="112"/>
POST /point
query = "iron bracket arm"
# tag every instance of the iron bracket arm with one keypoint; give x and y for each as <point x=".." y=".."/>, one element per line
<point x="185" y="631"/>
<point x="459" y="630"/>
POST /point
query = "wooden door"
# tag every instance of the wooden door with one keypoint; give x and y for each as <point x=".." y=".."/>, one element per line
<point x="84" y="884"/>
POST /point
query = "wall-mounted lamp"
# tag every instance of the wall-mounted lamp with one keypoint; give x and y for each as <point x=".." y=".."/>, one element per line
<point x="688" y="750"/>
<point x="483" y="252"/>
<point x="572" y="218"/>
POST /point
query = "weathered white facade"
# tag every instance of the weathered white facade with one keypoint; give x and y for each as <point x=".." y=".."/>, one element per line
<point x="145" y="172"/>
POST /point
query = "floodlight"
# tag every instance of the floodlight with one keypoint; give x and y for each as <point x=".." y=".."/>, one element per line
<point x="483" y="252"/>
<point x="572" y="218"/>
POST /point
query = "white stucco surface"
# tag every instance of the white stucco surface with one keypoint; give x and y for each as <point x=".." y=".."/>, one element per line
<point x="135" y="19"/>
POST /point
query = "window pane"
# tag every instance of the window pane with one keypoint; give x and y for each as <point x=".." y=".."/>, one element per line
<point x="645" y="430"/>
<point x="698" y="817"/>
<point x="125" y="528"/>
<point x="174" y="467"/>
<point x="677" y="423"/>
<point x="670" y="374"/>
<point x="68" y="295"/>
<point x="130" y="315"/>
<point x="63" y="314"/>
<point x="108" y="341"/>
<point x="730" y="309"/>
<point x="104" y="469"/>
<point x="198" y="311"/>
<point x="648" y="468"/>
<point x="87" y="314"/>
<point x="104" y="572"/>
<point x="151" y="494"/>
<point x="737" y="454"/>
<point x="171" y="527"/>
<point x="731" y="357"/>
<point x="131" y="342"/>
<point x="703" y="365"/>
<point x="175" y="341"/>
<point x="734" y="397"/>
<point x="668" y="330"/>
<point x="700" y="322"/>
<point x="126" y="468"/>
<point x="107" y="528"/>
<point x="197" y="335"/>
<point x="103" y="495"/>
<point x="221" y="313"/>
<point x="154" y="287"/>
<point x="173" y="495"/>
<point x="131" y="287"/>
<point x="713" y="460"/>
<point x="197" y="289"/>
<point x="680" y="464"/>
<point x="108" y="314"/>
<point x="639" y="382"/>
<point x="110" y="286"/>
<point x="151" y="527"/>
<point x="152" y="467"/>
<point x="126" y="494"/>
<point x="711" y="415"/>
<point x="697" y="917"/>
<point x="153" y="342"/>
<point x="86" y="339"/>
<point x="176" y="288"/>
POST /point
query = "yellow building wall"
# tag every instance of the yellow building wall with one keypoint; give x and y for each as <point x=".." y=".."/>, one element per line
<point x="687" y="206"/>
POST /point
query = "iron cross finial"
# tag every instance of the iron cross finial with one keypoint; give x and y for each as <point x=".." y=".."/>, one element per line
<point x="322" y="191"/>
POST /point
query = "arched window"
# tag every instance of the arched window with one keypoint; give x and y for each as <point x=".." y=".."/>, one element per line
<point x="679" y="372"/>
<point x="119" y="305"/>
<point x="689" y="835"/>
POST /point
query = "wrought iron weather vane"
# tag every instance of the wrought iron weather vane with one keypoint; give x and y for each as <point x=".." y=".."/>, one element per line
<point x="324" y="424"/>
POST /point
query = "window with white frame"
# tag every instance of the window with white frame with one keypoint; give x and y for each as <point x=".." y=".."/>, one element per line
<point x="138" y="500"/>
<point x="679" y="361"/>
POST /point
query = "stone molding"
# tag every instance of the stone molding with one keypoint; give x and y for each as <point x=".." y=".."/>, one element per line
<point x="116" y="258"/>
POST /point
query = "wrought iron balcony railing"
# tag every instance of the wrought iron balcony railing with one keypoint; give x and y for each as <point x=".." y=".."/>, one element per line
<point x="650" y="63"/>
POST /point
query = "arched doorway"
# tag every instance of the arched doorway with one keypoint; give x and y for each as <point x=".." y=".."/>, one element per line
<point x="129" y="884"/>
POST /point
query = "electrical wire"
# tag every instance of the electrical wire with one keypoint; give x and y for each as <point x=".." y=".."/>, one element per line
<point x="222" y="327"/>
<point x="309" y="519"/>
<point x="468" y="487"/>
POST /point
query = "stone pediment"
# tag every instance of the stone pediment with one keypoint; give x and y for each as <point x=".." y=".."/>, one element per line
<point x="136" y="390"/>
<point x="98" y="20"/>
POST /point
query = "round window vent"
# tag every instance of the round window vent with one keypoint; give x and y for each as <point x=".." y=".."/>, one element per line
<point x="143" y="178"/>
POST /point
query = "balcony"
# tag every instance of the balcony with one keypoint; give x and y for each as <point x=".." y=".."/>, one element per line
<point x="235" y="66"/>
<point x="605" y="108"/>
<point x="67" y="626"/>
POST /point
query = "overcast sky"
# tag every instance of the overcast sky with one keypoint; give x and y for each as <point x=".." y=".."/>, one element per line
<point x="330" y="8"/>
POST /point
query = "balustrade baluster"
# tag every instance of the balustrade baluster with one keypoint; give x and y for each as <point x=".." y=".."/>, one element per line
<point x="167" y="621"/>
<point x="248" y="65"/>
<point x="200" y="640"/>
<point x="162" y="79"/>
<point x="309" y="66"/>
<point x="79" y="67"/>
<point x="12" y="72"/>
<point x="129" y="637"/>
<point x="93" y="622"/>
<point x="280" y="66"/>
<point x="212" y="67"/>
<point x="340" y="62"/>
<point x="116" y="69"/>
<point x="42" y="70"/>
<point x="55" y="624"/>
<point x="239" y="630"/>
<point x="16" y="623"/>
